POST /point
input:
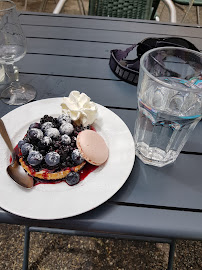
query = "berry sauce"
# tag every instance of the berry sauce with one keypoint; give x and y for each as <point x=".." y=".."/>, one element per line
<point x="88" y="168"/>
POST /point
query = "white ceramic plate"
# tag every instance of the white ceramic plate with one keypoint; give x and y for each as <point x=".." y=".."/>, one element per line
<point x="46" y="201"/>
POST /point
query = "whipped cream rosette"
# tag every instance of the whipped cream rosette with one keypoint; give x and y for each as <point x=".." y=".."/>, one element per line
<point x="80" y="108"/>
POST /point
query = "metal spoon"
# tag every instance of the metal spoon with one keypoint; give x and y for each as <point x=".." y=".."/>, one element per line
<point x="15" y="171"/>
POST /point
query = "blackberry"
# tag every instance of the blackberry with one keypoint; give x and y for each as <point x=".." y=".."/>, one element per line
<point x="56" y="123"/>
<point x="78" y="128"/>
<point x="51" y="148"/>
<point x="66" y="150"/>
<point x="71" y="148"/>
<point x="43" y="152"/>
<point x="45" y="166"/>
<point x="72" y="144"/>
<point x="69" y="164"/>
<point x="57" y="167"/>
<point x="62" y="158"/>
<point x="73" y="139"/>
<point x="46" y="118"/>
<point x="37" y="168"/>
<point x="56" y="145"/>
<point x="64" y="164"/>
<point x="41" y="146"/>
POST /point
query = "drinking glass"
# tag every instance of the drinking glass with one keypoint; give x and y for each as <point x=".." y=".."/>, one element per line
<point x="12" y="49"/>
<point x="169" y="103"/>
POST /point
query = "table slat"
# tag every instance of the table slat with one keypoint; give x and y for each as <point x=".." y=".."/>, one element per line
<point x="95" y="35"/>
<point x="105" y="92"/>
<point x="74" y="48"/>
<point x="178" y="185"/>
<point x="67" y="66"/>
<point x="124" y="220"/>
<point x="112" y="24"/>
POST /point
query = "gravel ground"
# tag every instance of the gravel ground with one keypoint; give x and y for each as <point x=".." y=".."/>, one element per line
<point x="60" y="252"/>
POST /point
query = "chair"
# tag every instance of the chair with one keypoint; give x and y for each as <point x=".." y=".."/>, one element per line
<point x="132" y="9"/>
<point x="190" y="3"/>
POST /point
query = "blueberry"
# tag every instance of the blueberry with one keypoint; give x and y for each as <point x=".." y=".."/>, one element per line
<point x="65" y="139"/>
<point x="66" y="128"/>
<point x="52" y="158"/>
<point x="46" y="125"/>
<point x="52" y="133"/>
<point x="35" y="134"/>
<point x="20" y="143"/>
<point x="26" y="139"/>
<point x="26" y="148"/>
<point x="35" y="125"/>
<point x="64" y="118"/>
<point x="45" y="142"/>
<point x="72" y="178"/>
<point x="76" y="157"/>
<point x="34" y="158"/>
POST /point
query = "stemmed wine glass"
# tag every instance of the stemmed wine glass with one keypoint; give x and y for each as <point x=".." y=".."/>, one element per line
<point x="12" y="49"/>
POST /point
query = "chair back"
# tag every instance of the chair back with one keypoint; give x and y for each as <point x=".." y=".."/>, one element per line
<point x="132" y="9"/>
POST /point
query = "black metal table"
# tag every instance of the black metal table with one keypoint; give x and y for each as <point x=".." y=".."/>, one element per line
<point x="72" y="52"/>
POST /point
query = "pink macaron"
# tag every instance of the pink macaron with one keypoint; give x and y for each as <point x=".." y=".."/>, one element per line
<point x="92" y="147"/>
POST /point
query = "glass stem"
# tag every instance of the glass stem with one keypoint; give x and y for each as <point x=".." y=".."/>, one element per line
<point x="16" y="83"/>
<point x="13" y="73"/>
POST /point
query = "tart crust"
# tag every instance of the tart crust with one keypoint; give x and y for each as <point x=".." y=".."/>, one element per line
<point x="47" y="174"/>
